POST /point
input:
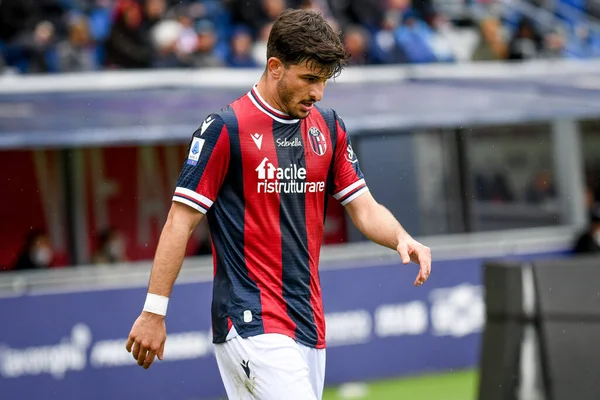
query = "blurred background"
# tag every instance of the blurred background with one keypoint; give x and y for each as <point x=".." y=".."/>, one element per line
<point x="477" y="123"/>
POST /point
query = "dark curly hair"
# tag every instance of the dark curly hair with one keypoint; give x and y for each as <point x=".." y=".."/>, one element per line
<point x="302" y="36"/>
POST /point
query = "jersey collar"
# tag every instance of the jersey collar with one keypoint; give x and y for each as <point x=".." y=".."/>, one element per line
<point x="263" y="106"/>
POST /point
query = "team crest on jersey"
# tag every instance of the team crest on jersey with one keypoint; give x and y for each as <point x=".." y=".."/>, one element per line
<point x="317" y="141"/>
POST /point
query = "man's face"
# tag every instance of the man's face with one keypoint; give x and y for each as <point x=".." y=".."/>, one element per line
<point x="299" y="87"/>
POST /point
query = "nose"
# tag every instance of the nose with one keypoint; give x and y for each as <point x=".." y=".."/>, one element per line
<point x="316" y="91"/>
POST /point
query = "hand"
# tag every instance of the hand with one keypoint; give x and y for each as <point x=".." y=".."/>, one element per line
<point x="411" y="250"/>
<point x="147" y="338"/>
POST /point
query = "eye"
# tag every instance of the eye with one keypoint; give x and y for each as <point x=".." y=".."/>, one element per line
<point x="311" y="79"/>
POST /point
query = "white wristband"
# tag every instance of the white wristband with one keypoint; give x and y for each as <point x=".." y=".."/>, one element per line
<point x="156" y="304"/>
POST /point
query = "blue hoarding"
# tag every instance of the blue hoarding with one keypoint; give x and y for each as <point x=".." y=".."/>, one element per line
<point x="72" y="345"/>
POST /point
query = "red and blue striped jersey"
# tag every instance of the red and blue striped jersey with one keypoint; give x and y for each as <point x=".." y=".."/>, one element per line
<point x="263" y="180"/>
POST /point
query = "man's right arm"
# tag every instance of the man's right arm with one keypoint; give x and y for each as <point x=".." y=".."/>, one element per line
<point x="181" y="222"/>
<point x="197" y="188"/>
<point x="149" y="334"/>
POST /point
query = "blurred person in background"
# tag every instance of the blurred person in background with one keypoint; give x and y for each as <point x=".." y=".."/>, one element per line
<point x="129" y="43"/>
<point x="204" y="55"/>
<point x="77" y="52"/>
<point x="255" y="14"/>
<point x="589" y="241"/>
<point x="529" y="42"/>
<point x="367" y="13"/>
<point x="172" y="42"/>
<point x="526" y="42"/>
<point x="267" y="222"/>
<point x="356" y="42"/>
<point x="259" y="48"/>
<point x="31" y="52"/>
<point x="413" y="37"/>
<point x="240" y="55"/>
<point x="584" y="42"/>
<point x="37" y="252"/>
<point x="385" y="48"/>
<point x="492" y="46"/>
<point x="111" y="247"/>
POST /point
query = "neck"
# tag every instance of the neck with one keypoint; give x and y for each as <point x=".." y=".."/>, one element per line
<point x="268" y="91"/>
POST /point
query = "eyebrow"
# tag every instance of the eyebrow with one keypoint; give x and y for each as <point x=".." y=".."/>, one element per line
<point x="309" y="75"/>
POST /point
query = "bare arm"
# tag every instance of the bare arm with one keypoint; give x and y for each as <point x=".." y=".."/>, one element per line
<point x="181" y="222"/>
<point x="149" y="333"/>
<point x="379" y="225"/>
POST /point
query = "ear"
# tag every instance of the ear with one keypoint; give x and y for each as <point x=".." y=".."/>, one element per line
<point x="275" y="67"/>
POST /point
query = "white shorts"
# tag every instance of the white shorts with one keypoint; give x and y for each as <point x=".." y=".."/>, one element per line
<point x="270" y="367"/>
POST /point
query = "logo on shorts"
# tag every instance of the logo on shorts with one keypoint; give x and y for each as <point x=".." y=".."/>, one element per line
<point x="317" y="141"/>
<point x="246" y="366"/>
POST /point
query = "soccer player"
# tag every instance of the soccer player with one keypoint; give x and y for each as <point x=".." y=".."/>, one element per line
<point x="261" y="170"/>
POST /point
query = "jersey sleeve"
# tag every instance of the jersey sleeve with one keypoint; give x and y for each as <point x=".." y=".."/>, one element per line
<point x="348" y="180"/>
<point x="206" y="165"/>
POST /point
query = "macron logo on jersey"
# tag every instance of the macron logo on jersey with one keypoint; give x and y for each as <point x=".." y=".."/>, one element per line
<point x="291" y="179"/>
<point x="257" y="137"/>
<point x="206" y="124"/>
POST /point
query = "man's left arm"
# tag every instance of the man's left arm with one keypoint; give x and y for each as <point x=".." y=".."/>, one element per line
<point x="379" y="225"/>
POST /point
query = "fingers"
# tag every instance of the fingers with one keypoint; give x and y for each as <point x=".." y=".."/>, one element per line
<point x="161" y="351"/>
<point x="425" y="266"/>
<point x="403" y="251"/>
<point x="129" y="344"/>
<point x="144" y="353"/>
<point x="141" y="357"/>
<point x="136" y="350"/>
<point x="149" y="359"/>
<point x="421" y="278"/>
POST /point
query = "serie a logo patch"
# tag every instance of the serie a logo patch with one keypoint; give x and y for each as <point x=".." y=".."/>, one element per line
<point x="195" y="150"/>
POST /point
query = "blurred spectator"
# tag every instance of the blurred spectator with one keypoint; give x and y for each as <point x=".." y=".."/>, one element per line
<point x="384" y="47"/>
<point x="204" y="54"/>
<point x="111" y="247"/>
<point x="81" y="35"/>
<point x="443" y="38"/>
<point x="367" y="13"/>
<point x="584" y="43"/>
<point x="166" y="36"/>
<point x="255" y="13"/>
<point x="322" y="6"/>
<point x="259" y="49"/>
<point x="37" y="252"/>
<point x="529" y="43"/>
<point x="241" y="49"/>
<point x="413" y="38"/>
<point x="492" y="45"/>
<point x="356" y="41"/>
<point x="526" y="42"/>
<point x="129" y="44"/>
<point x="589" y="241"/>
<point x="77" y="52"/>
<point x="31" y="52"/>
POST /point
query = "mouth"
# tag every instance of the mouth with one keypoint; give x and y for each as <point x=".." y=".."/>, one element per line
<point x="307" y="105"/>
